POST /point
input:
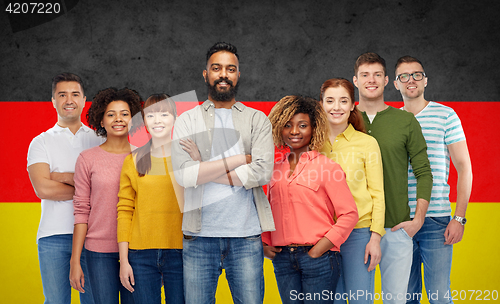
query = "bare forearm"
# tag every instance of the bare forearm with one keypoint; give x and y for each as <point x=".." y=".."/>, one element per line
<point x="224" y="179"/>
<point x="322" y="246"/>
<point x="63" y="177"/>
<point x="123" y="251"/>
<point x="211" y="170"/>
<point x="55" y="191"/>
<point x="464" y="187"/>
<point x="421" y="210"/>
<point x="79" y="234"/>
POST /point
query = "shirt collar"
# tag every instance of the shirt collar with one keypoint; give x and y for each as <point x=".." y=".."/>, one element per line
<point x="84" y="128"/>
<point x="309" y="155"/>
<point x="208" y="103"/>
<point x="349" y="132"/>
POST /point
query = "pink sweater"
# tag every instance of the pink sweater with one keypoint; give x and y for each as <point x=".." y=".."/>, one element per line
<point x="97" y="181"/>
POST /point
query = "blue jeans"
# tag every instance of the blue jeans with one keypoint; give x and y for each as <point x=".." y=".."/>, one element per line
<point x="302" y="279"/>
<point x="242" y="258"/>
<point x="395" y="265"/>
<point x="154" y="267"/>
<point x="429" y="249"/>
<point x="54" y="254"/>
<point x="356" y="284"/>
<point x="104" y="273"/>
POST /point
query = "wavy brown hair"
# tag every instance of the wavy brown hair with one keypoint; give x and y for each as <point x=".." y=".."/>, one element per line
<point x="154" y="103"/>
<point x="103" y="99"/>
<point x="355" y="118"/>
<point x="287" y="107"/>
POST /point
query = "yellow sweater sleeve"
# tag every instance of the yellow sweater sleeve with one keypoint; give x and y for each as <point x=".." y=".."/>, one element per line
<point x="127" y="199"/>
<point x="375" y="185"/>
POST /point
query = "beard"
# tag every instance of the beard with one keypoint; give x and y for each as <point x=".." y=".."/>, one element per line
<point x="226" y="95"/>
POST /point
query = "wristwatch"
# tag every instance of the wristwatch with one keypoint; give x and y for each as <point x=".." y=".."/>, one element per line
<point x="460" y="219"/>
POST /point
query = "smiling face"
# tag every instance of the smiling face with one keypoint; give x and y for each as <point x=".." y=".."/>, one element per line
<point x="338" y="105"/>
<point x="371" y="81"/>
<point x="297" y="133"/>
<point x="412" y="89"/>
<point x="159" y="124"/>
<point x="116" y="119"/>
<point x="222" y="75"/>
<point x="68" y="100"/>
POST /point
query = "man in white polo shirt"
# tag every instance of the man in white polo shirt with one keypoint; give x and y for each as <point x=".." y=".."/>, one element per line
<point x="51" y="162"/>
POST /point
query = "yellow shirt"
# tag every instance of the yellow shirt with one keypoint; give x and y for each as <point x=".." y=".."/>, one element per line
<point x="359" y="156"/>
<point x="149" y="216"/>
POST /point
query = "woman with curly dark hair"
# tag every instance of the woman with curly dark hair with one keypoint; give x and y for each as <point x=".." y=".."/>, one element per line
<point x="149" y="215"/>
<point x="313" y="209"/>
<point x="97" y="181"/>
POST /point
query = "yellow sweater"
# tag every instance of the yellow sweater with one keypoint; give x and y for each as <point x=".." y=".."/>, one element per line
<point x="149" y="216"/>
<point x="359" y="156"/>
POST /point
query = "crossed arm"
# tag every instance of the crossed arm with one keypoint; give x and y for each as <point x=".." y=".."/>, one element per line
<point x="56" y="186"/>
<point x="216" y="171"/>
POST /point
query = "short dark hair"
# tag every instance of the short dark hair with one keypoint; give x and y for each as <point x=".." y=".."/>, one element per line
<point x="407" y="59"/>
<point x="66" y="77"/>
<point x="103" y="99"/>
<point x="369" y="58"/>
<point x="222" y="46"/>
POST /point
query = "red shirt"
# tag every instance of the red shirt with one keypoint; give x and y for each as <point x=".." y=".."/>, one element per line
<point x="306" y="204"/>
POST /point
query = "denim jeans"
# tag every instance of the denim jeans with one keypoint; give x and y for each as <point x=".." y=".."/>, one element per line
<point x="54" y="254"/>
<point x="429" y="249"/>
<point x="104" y="273"/>
<point x="395" y="265"/>
<point x="302" y="279"/>
<point x="154" y="267"/>
<point x="355" y="284"/>
<point x="242" y="258"/>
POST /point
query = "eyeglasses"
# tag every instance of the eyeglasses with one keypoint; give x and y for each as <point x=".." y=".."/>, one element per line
<point x="406" y="77"/>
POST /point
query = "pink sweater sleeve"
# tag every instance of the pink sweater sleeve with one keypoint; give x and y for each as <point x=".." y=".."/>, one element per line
<point x="81" y="199"/>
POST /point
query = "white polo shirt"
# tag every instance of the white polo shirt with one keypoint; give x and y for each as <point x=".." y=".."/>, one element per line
<point x="59" y="148"/>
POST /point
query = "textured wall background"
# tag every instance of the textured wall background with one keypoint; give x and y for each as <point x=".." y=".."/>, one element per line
<point x="285" y="46"/>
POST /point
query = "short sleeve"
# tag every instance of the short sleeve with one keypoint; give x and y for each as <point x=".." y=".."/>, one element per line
<point x="37" y="153"/>
<point x="454" y="131"/>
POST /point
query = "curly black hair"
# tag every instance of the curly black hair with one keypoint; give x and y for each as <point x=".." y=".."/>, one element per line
<point x="290" y="105"/>
<point x="105" y="97"/>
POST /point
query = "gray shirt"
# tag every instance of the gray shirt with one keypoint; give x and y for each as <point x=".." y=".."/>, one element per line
<point x="255" y="134"/>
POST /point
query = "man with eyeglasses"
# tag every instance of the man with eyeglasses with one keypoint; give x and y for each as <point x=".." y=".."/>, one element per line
<point x="399" y="136"/>
<point x="441" y="127"/>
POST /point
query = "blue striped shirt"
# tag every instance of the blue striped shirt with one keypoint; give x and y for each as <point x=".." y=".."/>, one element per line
<point x="440" y="127"/>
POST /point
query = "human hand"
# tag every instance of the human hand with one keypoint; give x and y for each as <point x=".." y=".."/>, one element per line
<point x="127" y="275"/>
<point x="373" y="251"/>
<point x="270" y="251"/>
<point x="76" y="277"/>
<point x="190" y="147"/>
<point x="454" y="232"/>
<point x="411" y="227"/>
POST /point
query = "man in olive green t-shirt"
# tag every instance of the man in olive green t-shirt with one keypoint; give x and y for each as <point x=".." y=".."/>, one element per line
<point x="400" y="138"/>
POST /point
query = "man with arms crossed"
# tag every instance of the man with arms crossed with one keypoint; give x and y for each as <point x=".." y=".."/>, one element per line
<point x="223" y="154"/>
<point x="432" y="244"/>
<point x="399" y="137"/>
<point x="51" y="162"/>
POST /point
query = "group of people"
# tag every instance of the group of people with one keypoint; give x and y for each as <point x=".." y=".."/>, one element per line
<point x="352" y="187"/>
